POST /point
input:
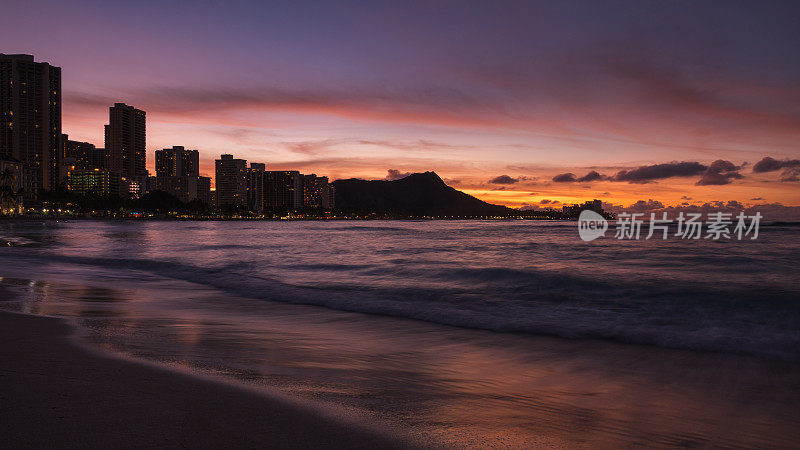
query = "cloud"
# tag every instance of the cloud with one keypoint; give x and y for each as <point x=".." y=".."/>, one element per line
<point x="671" y="90"/>
<point x="415" y="145"/>
<point x="546" y="203"/>
<point x="591" y="176"/>
<point x="570" y="177"/>
<point x="768" y="164"/>
<point x="757" y="198"/>
<point x="448" y="106"/>
<point x="734" y="204"/>
<point x="791" y="175"/>
<point x="721" y="165"/>
<point x="642" y="206"/>
<point x="646" y="174"/>
<point x="564" y="178"/>
<point x="394" y="174"/>
<point x="312" y="147"/>
<point x="504" y="179"/>
<point x="720" y="172"/>
<point x="790" y="167"/>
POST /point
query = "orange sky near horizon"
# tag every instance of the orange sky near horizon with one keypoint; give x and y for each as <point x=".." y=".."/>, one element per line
<point x="309" y="151"/>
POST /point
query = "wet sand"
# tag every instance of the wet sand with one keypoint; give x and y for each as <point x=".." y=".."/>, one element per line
<point x="54" y="393"/>
<point x="461" y="387"/>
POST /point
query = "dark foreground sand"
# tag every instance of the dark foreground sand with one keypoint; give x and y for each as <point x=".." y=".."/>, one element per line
<point x="54" y="393"/>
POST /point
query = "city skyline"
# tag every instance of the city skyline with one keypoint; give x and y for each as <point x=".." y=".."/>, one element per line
<point x="508" y="129"/>
<point x="177" y="170"/>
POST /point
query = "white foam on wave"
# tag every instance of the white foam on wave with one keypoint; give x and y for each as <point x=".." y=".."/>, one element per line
<point x="549" y="303"/>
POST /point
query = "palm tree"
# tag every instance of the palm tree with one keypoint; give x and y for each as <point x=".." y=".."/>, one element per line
<point x="8" y="199"/>
<point x="20" y="194"/>
<point x="7" y="177"/>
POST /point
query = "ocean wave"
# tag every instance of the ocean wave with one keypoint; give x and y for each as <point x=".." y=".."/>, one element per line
<point x="704" y="316"/>
<point x="376" y="228"/>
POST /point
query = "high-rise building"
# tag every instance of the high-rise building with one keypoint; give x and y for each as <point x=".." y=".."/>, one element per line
<point x="82" y="155"/>
<point x="283" y="190"/>
<point x="231" y="181"/>
<point x="204" y="190"/>
<point x="178" y="172"/>
<point x="255" y="186"/>
<point x="183" y="188"/>
<point x="145" y="184"/>
<point x="94" y="182"/>
<point x="125" y="141"/>
<point x="574" y="210"/>
<point x="316" y="192"/>
<point x="177" y="162"/>
<point x="30" y="117"/>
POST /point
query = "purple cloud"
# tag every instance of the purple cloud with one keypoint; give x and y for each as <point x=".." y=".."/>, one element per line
<point x="720" y="172"/>
<point x="504" y="179"/>
<point x="768" y="164"/>
<point x="790" y="167"/>
<point x="646" y="174"/>
<point x="565" y="178"/>
<point x="591" y="176"/>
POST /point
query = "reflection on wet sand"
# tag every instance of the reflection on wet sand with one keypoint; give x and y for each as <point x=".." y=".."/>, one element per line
<point x="465" y="387"/>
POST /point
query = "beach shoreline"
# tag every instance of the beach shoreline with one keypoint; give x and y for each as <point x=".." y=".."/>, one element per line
<point x="59" y="388"/>
<point x="268" y="313"/>
<point x="56" y="392"/>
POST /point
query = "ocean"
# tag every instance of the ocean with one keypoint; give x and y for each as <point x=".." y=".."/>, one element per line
<point x="424" y="323"/>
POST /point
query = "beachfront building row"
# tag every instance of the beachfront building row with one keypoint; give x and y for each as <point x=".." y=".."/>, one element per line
<point x="575" y="210"/>
<point x="41" y="157"/>
<point x="259" y="190"/>
<point x="32" y="143"/>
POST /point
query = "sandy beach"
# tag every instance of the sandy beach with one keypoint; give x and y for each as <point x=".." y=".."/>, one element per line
<point x="54" y="393"/>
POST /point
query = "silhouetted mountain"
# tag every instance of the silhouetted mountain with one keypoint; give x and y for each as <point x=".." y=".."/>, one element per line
<point x="419" y="194"/>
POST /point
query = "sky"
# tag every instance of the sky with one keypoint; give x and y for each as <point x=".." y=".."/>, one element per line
<point x="523" y="103"/>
